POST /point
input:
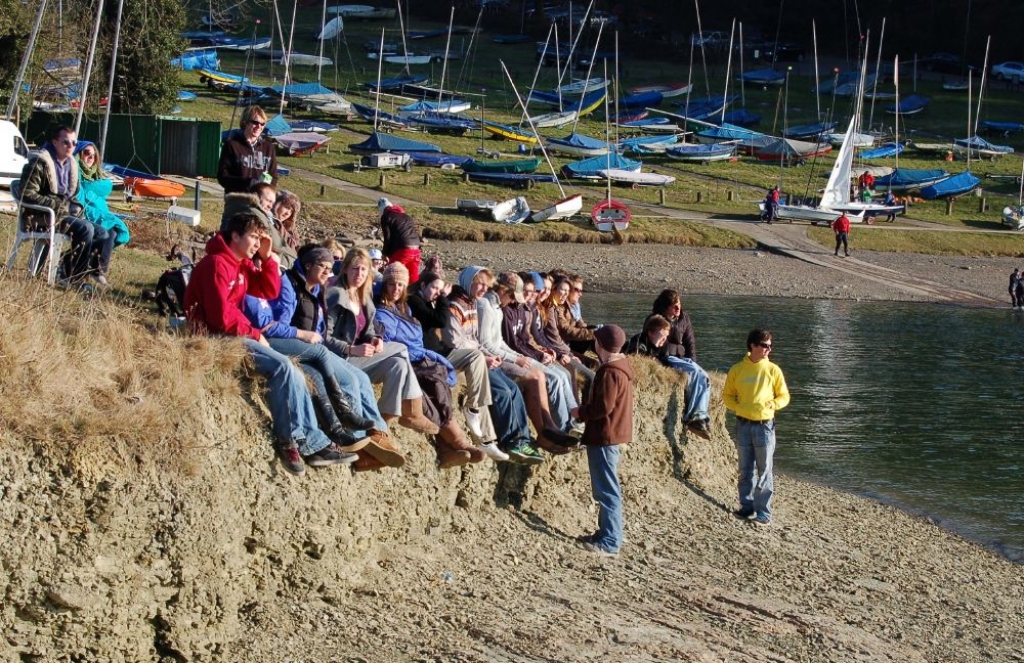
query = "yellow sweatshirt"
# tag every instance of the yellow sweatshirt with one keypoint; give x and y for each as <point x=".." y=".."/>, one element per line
<point x="755" y="390"/>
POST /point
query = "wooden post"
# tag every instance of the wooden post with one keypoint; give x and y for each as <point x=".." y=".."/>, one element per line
<point x="949" y="206"/>
<point x="700" y="196"/>
<point x="426" y="178"/>
<point x="982" y="205"/>
<point x="661" y="197"/>
<point x="198" y="193"/>
<point x="729" y="195"/>
<point x="383" y="180"/>
<point x="465" y="177"/>
<point x="323" y="190"/>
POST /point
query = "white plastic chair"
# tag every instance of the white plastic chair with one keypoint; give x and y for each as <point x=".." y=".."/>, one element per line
<point x="41" y="239"/>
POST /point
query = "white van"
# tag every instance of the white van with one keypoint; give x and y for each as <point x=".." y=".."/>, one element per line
<point x="13" y="153"/>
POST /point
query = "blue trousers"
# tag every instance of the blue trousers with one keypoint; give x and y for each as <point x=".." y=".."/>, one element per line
<point x="604" y="484"/>
<point x="294" y="418"/>
<point x="352" y="381"/>
<point x="755" y="444"/>
<point x="698" y="388"/>
<point x="508" y="411"/>
<point x="75" y="262"/>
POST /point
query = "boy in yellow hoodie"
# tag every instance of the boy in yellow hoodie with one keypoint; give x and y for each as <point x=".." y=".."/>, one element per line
<point x="754" y="389"/>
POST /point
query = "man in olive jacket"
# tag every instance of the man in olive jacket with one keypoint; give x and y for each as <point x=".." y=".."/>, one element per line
<point x="50" y="179"/>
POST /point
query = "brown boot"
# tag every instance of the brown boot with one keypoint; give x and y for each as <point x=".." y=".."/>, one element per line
<point x="382" y="449"/>
<point x="447" y="457"/>
<point x="413" y="418"/>
<point x="367" y="463"/>
<point x="453" y="436"/>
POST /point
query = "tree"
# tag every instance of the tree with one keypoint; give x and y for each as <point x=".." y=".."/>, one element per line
<point x="150" y="36"/>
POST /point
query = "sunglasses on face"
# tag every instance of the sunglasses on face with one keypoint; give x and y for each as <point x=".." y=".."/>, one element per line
<point x="577" y="289"/>
<point x="68" y="143"/>
<point x="256" y="123"/>
<point x="766" y="346"/>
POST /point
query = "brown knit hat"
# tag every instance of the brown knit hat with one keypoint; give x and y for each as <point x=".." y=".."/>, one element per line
<point x="611" y="338"/>
<point x="396" y="272"/>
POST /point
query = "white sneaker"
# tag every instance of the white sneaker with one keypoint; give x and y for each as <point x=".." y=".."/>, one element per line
<point x="473" y="421"/>
<point x="492" y="451"/>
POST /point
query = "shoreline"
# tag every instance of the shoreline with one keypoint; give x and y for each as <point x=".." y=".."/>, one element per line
<point x="649" y="268"/>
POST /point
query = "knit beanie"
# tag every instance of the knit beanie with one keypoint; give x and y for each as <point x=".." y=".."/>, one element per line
<point x="396" y="272"/>
<point x="611" y="338"/>
<point x="316" y="255"/>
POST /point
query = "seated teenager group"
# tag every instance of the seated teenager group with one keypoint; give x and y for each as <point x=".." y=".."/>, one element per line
<point x="351" y="321"/>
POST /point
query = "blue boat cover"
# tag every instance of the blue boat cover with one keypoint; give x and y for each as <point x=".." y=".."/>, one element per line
<point x="381" y="142"/>
<point x="954" y="186"/>
<point x="397" y="82"/>
<point x="580" y="140"/>
<point x="730" y="132"/>
<point x="764" y="76"/>
<point x="809" y="130"/>
<point x="1002" y="126"/>
<point x="909" y="104"/>
<point x="665" y="139"/>
<point x="185" y="95"/>
<point x="702" y="150"/>
<point x="277" y="126"/>
<point x="702" y="108"/>
<point x="510" y="178"/>
<point x="434" y="159"/>
<point x="883" y="151"/>
<point x="646" y="122"/>
<point x="196" y="60"/>
<point x="642" y="100"/>
<point x="593" y="166"/>
<point x="979" y="143"/>
<point x="742" y="117"/>
<point x="442" y="121"/>
<point x="312" y="125"/>
<point x="367" y="113"/>
<point x="301" y="89"/>
<point x="908" y="177"/>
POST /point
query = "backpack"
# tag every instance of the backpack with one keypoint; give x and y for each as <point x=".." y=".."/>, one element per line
<point x="169" y="295"/>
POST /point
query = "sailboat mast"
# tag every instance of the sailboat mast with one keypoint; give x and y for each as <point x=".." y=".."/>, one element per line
<point x="874" y="85"/>
<point x="29" y="48"/>
<point x="380" y="71"/>
<point x="444" y="65"/>
<point x="288" y="60"/>
<point x="896" y="81"/>
<point x="586" y="82"/>
<point x="533" y="128"/>
<point x="401" y="27"/>
<point x="743" y="88"/>
<point x="607" y="133"/>
<point x="981" y="88"/>
<point x="728" y="69"/>
<point x="536" y="74"/>
<point x="84" y="93"/>
<point x="323" y="26"/>
<point x="817" y="83"/>
<point x="969" y="102"/>
<point x="113" y="76"/>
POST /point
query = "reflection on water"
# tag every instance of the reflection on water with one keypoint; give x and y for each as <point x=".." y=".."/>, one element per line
<point x="918" y="404"/>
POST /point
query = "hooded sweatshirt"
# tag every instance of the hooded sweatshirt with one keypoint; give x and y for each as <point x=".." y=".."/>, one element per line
<point x="608" y="411"/>
<point x="242" y="165"/>
<point x="219" y="284"/>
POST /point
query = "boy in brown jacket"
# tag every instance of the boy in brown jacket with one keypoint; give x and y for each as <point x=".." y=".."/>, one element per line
<point x="608" y="415"/>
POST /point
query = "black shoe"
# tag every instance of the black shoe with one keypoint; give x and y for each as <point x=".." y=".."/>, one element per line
<point x="561" y="439"/>
<point x="346" y="442"/>
<point x="744" y="514"/>
<point x="347" y="415"/>
<point x="330" y="456"/>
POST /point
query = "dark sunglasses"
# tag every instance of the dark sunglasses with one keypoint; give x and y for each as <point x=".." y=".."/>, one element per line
<point x="766" y="346"/>
<point x="258" y="124"/>
<point x="69" y="143"/>
<point x="577" y="289"/>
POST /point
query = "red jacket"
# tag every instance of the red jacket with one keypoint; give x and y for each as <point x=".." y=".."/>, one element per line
<point x="841" y="225"/>
<point x="219" y="284"/>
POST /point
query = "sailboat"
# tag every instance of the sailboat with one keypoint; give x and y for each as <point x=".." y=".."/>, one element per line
<point x="610" y="214"/>
<point x="960" y="183"/>
<point x="835" y="199"/>
<point x="1013" y="217"/>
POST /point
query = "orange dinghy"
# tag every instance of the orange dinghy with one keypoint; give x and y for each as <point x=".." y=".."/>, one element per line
<point x="153" y="188"/>
<point x="610" y="215"/>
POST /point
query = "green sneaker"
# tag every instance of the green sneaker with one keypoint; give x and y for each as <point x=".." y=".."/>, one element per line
<point x="525" y="454"/>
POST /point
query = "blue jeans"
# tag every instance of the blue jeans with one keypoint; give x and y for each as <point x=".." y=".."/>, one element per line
<point x="75" y="262"/>
<point x="698" y="388"/>
<point x="755" y="444"/>
<point x="561" y="393"/>
<point x="352" y="381"/>
<point x="508" y="411"/>
<point x="604" y="484"/>
<point x="103" y="247"/>
<point x="291" y="409"/>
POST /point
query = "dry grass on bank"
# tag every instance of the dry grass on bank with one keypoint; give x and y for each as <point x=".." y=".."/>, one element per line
<point x="928" y="242"/>
<point x="82" y="378"/>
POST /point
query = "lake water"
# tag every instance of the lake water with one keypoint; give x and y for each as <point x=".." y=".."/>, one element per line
<point x="915" y="404"/>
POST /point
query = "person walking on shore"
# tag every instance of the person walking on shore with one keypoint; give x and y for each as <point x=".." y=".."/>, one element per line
<point x="841" y="226"/>
<point x="1014" y="280"/>
<point x="755" y="389"/>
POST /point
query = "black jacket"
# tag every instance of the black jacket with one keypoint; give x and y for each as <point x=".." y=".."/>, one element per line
<point x="433" y="318"/>
<point x="398" y="231"/>
<point x="242" y="165"/>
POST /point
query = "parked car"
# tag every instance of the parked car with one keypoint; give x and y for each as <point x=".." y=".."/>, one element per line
<point x="784" y="52"/>
<point x="1008" y="71"/>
